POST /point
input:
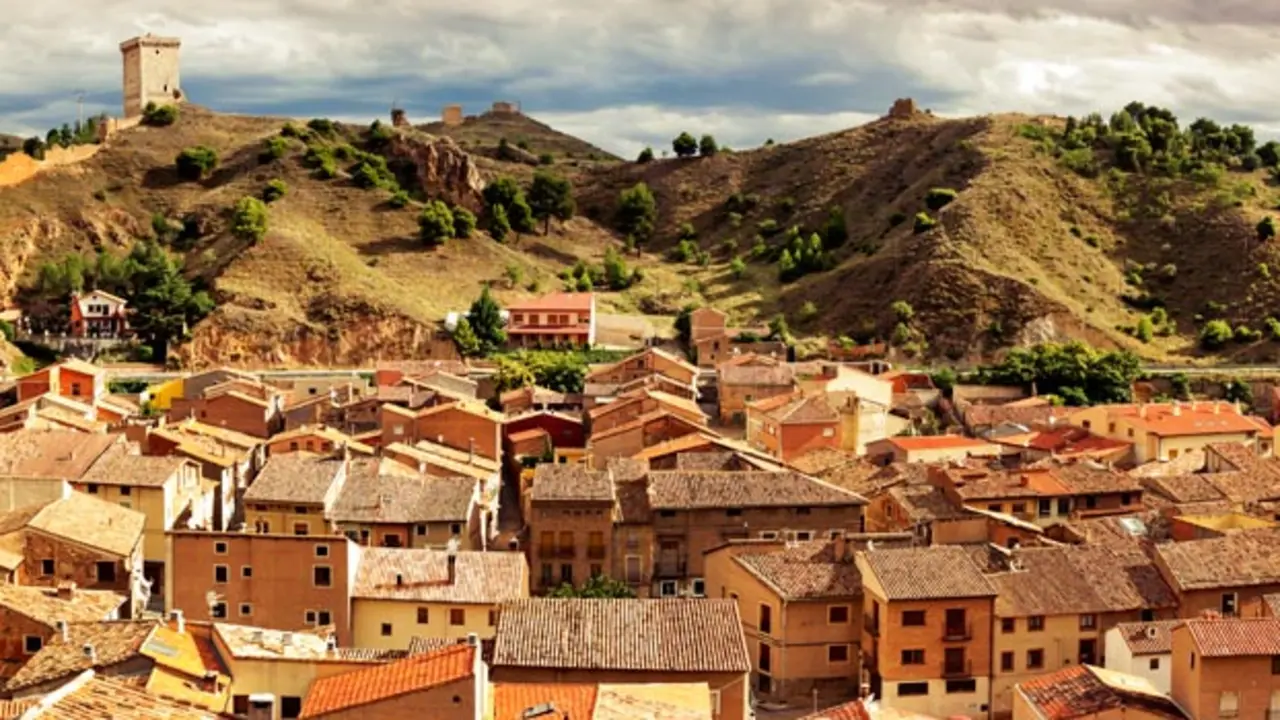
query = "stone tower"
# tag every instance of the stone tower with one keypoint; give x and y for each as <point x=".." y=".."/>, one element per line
<point x="150" y="73"/>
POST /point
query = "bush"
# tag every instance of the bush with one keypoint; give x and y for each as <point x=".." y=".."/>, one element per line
<point x="367" y="176"/>
<point x="737" y="267"/>
<point x="923" y="223"/>
<point x="1266" y="229"/>
<point x="686" y="232"/>
<point x="249" y="220"/>
<point x="835" y="231"/>
<point x="274" y="190"/>
<point x="435" y="225"/>
<point x="707" y="146"/>
<point x="1145" y="330"/>
<point x="159" y="115"/>
<point x="768" y="227"/>
<point x="399" y="199"/>
<point x="293" y="131"/>
<point x="499" y="226"/>
<point x="787" y="205"/>
<point x="1215" y="334"/>
<point x="808" y="311"/>
<point x="684" y="251"/>
<point x="637" y="212"/>
<point x="34" y="148"/>
<point x="546" y="159"/>
<point x="7" y="330"/>
<point x="938" y="198"/>
<point x="897" y="219"/>
<point x="1273" y="328"/>
<point x="464" y="222"/>
<point x="684" y="145"/>
<point x="196" y="162"/>
<point x="903" y="311"/>
<point x="645" y="156"/>
<point x="379" y="134"/>
<point x="322" y="126"/>
<point x="273" y="148"/>
<point x="1245" y="334"/>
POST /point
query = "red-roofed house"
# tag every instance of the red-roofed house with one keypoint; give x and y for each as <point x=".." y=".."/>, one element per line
<point x="1226" y="667"/>
<point x="73" y="379"/>
<point x="929" y="449"/>
<point x="447" y="684"/>
<point x="98" y="314"/>
<point x="1163" y="431"/>
<point x="1065" y="442"/>
<point x="789" y="426"/>
<point x="1085" y="691"/>
<point x="555" y="319"/>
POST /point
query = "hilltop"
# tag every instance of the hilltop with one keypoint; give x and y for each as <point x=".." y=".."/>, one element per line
<point x="1019" y="243"/>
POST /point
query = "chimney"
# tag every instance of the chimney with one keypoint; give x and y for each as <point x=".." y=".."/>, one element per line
<point x="1142" y="410"/>
<point x="840" y="547"/>
<point x="331" y="643"/>
<point x="63" y="630"/>
<point x="258" y="636"/>
<point x="90" y="653"/>
<point x="178" y="619"/>
<point x="453" y="567"/>
<point x="471" y="451"/>
<point x="1175" y="409"/>
<point x="67" y="590"/>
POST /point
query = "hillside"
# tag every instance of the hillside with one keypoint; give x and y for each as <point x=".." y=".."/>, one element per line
<point x="1028" y="250"/>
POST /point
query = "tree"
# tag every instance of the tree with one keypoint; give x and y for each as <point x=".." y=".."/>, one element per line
<point x="923" y="223"/>
<point x="1145" y="330"/>
<point x="34" y="148"/>
<point x="684" y="323"/>
<point x="1074" y="371"/>
<point x="499" y="226"/>
<point x="249" y="220"/>
<point x="435" y="225"/>
<point x="835" y="231"/>
<point x="645" y="156"/>
<point x="486" y="320"/>
<point x="737" y="267"/>
<point x="616" y="272"/>
<point x="550" y="195"/>
<point x="465" y="338"/>
<point x="1215" y="334"/>
<point x="159" y="115"/>
<point x="194" y="163"/>
<point x="779" y="330"/>
<point x="707" y="146"/>
<point x="274" y="190"/>
<point x="903" y="311"/>
<point x="164" y="303"/>
<point x="512" y="375"/>
<point x="685" y="145"/>
<point x="1269" y="153"/>
<point x="464" y="222"/>
<point x="1266" y="229"/>
<point x="521" y="216"/>
<point x="597" y="586"/>
<point x="637" y="212"/>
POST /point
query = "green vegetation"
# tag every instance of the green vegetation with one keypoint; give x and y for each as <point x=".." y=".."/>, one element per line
<point x="322" y="126"/>
<point x="835" y="231"/>
<point x="274" y="190"/>
<point x="1266" y="229"/>
<point x="485" y="318"/>
<point x="938" y="198"/>
<point x="924" y="223"/>
<point x="598" y="586"/>
<point x="273" y="148"/>
<point x="249" y="220"/>
<point x="399" y="199"/>
<point x="435" y="224"/>
<point x="707" y="146"/>
<point x="465" y="338"/>
<point x="616" y="273"/>
<point x="637" y="213"/>
<point x="645" y="156"/>
<point x="159" y="115"/>
<point x="506" y="193"/>
<point x="195" y="163"/>
<point x="1215" y="334"/>
<point x="1075" y="372"/>
<point x="464" y="222"/>
<point x="801" y="257"/>
<point x="685" y="145"/>
<point x="551" y="196"/>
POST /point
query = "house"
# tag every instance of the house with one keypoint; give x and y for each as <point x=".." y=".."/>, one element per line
<point x="92" y="696"/>
<point x="553" y="320"/>
<point x="1230" y="575"/>
<point x="533" y="398"/>
<point x="595" y="394"/>
<point x="560" y="430"/>
<point x="80" y="539"/>
<point x="1086" y="691"/>
<point x="53" y="412"/>
<point x="1043" y="495"/>
<point x="925" y="511"/>
<point x="402" y="594"/>
<point x="458" y="387"/>
<point x="109" y="648"/>
<point x="448" y="684"/>
<point x="787" y="426"/>
<point x="284" y="582"/>
<point x="713" y="341"/>
<point x="635" y="404"/>
<point x="569" y="513"/>
<point x="1162" y="431"/>
<point x="227" y="458"/>
<point x="721" y="452"/>
<point x="31" y="616"/>
<point x="529" y="646"/>
<point x="1055" y="605"/>
<point x="320" y="439"/>
<point x="602" y="701"/>
<point x="930" y="449"/>
<point x="1226" y="667"/>
<point x="650" y="361"/>
<point x="244" y="406"/>
<point x="749" y="378"/>
<point x="800" y="605"/>
<point x="98" y="314"/>
<point x="926" y="643"/>
<point x="391" y="372"/>
<point x="294" y="493"/>
<point x="469" y="427"/>
<point x="1142" y="649"/>
<point x="377" y="506"/>
<point x="1066" y="443"/>
<point x="51" y="457"/>
<point x="74" y="379"/>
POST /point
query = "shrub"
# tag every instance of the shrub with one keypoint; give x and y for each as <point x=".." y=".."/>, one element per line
<point x="34" y="148"/>
<point x="897" y="219"/>
<point x="1266" y="229"/>
<point x="645" y="156"/>
<point x="1245" y="334"/>
<point x="499" y="225"/>
<point x="737" y="267"/>
<point x="686" y="232"/>
<point x="938" y="198"/>
<point x="903" y="311"/>
<point x="546" y="159"/>
<point x="464" y="222"/>
<point x="249" y="220"/>
<point x="684" y="251"/>
<point x="1145" y="330"/>
<point x="684" y="145"/>
<point x="196" y="162"/>
<point x="637" y="212"/>
<point x="435" y="225"/>
<point x="1215" y="334"/>
<point x="707" y="146"/>
<point x="1092" y="241"/>
<point x="808" y="311"/>
<point x="1273" y="328"/>
<point x="379" y="134"/>
<point x="768" y="227"/>
<point x="367" y="176"/>
<point x="923" y="223"/>
<point x="159" y="115"/>
<point x="7" y="330"/>
<point x="273" y="148"/>
<point x="327" y="169"/>
<point x="293" y="131"/>
<point x="399" y="199"/>
<point x="835" y="231"/>
<point x="787" y="205"/>
<point x="274" y="190"/>
<point x="322" y="126"/>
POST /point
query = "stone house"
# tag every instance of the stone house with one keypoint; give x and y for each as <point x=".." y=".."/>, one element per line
<point x="630" y="438"/>
<point x="750" y="378"/>
<point x="380" y="507"/>
<point x="30" y="616"/>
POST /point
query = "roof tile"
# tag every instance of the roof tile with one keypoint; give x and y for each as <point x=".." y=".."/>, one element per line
<point x="384" y="682"/>
<point x="935" y="572"/>
<point x="423" y="576"/>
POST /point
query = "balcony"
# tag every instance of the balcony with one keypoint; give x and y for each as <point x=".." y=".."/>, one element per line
<point x="962" y="669"/>
<point x="567" y="553"/>
<point x="596" y="553"/>
<point x="870" y="624"/>
<point x="670" y="568"/>
<point x="957" y="633"/>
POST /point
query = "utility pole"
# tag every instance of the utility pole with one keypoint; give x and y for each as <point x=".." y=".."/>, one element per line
<point x="79" y="109"/>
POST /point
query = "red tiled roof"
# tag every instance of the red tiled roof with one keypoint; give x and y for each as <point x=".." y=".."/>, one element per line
<point x="1148" y="638"/>
<point x="854" y="710"/>
<point x="555" y="301"/>
<point x="1173" y="419"/>
<point x="937" y="442"/>
<point x="383" y="682"/>
<point x="1233" y="637"/>
<point x="573" y="700"/>
<point x="1082" y="690"/>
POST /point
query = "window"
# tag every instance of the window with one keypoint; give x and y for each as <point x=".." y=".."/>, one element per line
<point x="667" y="588"/>
<point x="322" y="551"/>
<point x="566" y="573"/>
<point x="828" y="432"/>
<point x="596" y="570"/>
<point x="837" y="653"/>
<point x="322" y="576"/>
<point x="1228" y="603"/>
<point x="126" y="490"/>
<point x="421" y="530"/>
<point x="91" y="489"/>
<point x="766" y="618"/>
<point x="1193" y="661"/>
<point x="995" y="507"/>
<point x="1064" y="506"/>
<point x="1008" y="625"/>
<point x="546" y="574"/>
<point x="1046" y="508"/>
<point x="424" y="616"/>
<point x="962" y="686"/>
<point x="246" y="610"/>
<point x="324" y="618"/>
<point x="246" y="571"/>
<point x="699" y="587"/>
<point x="912" y="689"/>
<point x="1035" y="623"/>
<point x="31" y="644"/>
<point x="1275" y="664"/>
<point x="1148" y="615"/>
<point x="46" y="567"/>
<point x="913" y="618"/>
<point x="106" y="571"/>
<point x="290" y="707"/>
<point x="1155" y="664"/>
<point x="1124" y="498"/>
<point x="1088" y="622"/>
<point x="1091" y="502"/>
<point x="219" y="611"/>
<point x="733" y="512"/>
<point x="386" y="629"/>
<point x="455" y="528"/>
<point x="220" y="574"/>
<point x="1019" y="508"/>
<point x="493" y="618"/>
<point x="75" y="388"/>
<point x="240" y="705"/>
<point x="1006" y="661"/>
<point x="301" y="528"/>
<point x="310" y="617"/>
<point x="1130" y="432"/>
<point x="1035" y="659"/>
<point x="837" y="614"/>
<point x="1228" y="705"/>
<point x="457" y="616"/>
<point x="667" y="513"/>
<point x="768" y="535"/>
<point x="913" y="657"/>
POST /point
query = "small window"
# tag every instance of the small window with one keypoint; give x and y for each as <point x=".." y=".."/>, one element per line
<point x="733" y="512"/>
<point x="324" y="618"/>
<point x="1088" y="622"/>
<point x="1125" y="498"/>
<point x="457" y="616"/>
<point x="424" y="616"/>
<point x="246" y="571"/>
<point x="837" y="614"/>
<point x="219" y="611"/>
<point x="386" y="629"/>
<point x="913" y="618"/>
<point x="322" y="576"/>
<point x="219" y="548"/>
<point x="126" y="490"/>
<point x="240" y="705"/>
<point x="493" y="618"/>
<point x="913" y="657"/>
<point x="301" y="528"/>
<point x="1228" y="604"/>
<point x="322" y="551"/>
<point x="667" y="588"/>
<point x="106" y="571"/>
<point x="1006" y="661"/>
<point x="310" y="617"/>
<point x="455" y="529"/>
<point x="828" y="432"/>
<point x="91" y="489"/>
<point x="220" y="574"/>
<point x="955" y="687"/>
<point x="290" y="707"/>
<point x="1008" y="625"/>
<point x="837" y="653"/>
<point x="699" y="587"/>
<point x="667" y="513"/>
<point x="31" y="644"/>
<point x="46" y="567"/>
<point x="1193" y="661"/>
<point x="1035" y="623"/>
<point x="1275" y="664"/>
<point x="913" y="689"/>
<point x="246" y="610"/>
<point x="421" y="530"/>
<point x="1155" y="665"/>
<point x="1228" y="704"/>
<point x="1035" y="659"/>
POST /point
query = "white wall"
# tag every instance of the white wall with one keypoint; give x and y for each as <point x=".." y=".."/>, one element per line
<point x="1121" y="659"/>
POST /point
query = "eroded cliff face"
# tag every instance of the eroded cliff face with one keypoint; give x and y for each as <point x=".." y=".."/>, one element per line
<point x="444" y="170"/>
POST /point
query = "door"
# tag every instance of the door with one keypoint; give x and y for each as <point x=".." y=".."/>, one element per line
<point x="1088" y="652"/>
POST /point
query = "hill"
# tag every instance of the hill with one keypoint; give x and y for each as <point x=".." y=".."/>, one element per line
<point x="1023" y="238"/>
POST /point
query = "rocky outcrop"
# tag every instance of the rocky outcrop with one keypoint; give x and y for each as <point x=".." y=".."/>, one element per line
<point x="444" y="170"/>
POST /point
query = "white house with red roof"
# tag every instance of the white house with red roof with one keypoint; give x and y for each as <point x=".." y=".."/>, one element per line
<point x="555" y="319"/>
<point x="98" y="314"/>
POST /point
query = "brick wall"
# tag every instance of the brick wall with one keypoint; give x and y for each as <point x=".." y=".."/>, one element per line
<point x="569" y="526"/>
<point x="74" y="563"/>
<point x="14" y="629"/>
<point x="734" y="398"/>
<point x="457" y="428"/>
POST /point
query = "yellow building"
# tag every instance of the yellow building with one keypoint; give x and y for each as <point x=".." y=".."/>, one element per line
<point x="293" y="492"/>
<point x="161" y="396"/>
<point x="1055" y="605"/>
<point x="1163" y="431"/>
<point x="401" y="594"/>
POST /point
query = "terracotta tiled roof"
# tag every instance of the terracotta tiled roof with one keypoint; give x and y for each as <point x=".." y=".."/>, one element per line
<point x="779" y="375"/>
<point x="820" y="460"/>
<point x="936" y="572"/>
<point x="254" y="643"/>
<point x="485" y="578"/>
<point x="91" y="522"/>
<point x="1086" y="691"/>
<point x="640" y="422"/>
<point x="13" y="709"/>
<point x="1038" y="416"/>
<point x="1074" y="580"/>
<point x="43" y="605"/>
<point x="295" y="478"/>
<point x="938" y="442"/>
<point x="324" y="432"/>
<point x="803" y="410"/>
<point x="384" y="682"/>
<point x="691" y="490"/>
<point x="422" y="367"/>
<point x="121" y="466"/>
<point x="1088" y="478"/>
<point x="113" y="643"/>
<point x="571" y="482"/>
<point x="1148" y="638"/>
<point x="371" y="496"/>
<point x="926" y="502"/>
<point x="1193" y="488"/>
<point x="103" y="698"/>
<point x="809" y="570"/>
<point x="683" y="635"/>
<point x="60" y="454"/>
<point x="1239" y="560"/>
<point x="573" y="700"/>
<point x="555" y="301"/>
<point x="854" y="710"/>
<point x="1182" y="419"/>
<point x="1234" y="637"/>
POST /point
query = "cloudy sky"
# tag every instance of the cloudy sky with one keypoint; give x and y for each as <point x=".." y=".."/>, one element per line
<point x="625" y="73"/>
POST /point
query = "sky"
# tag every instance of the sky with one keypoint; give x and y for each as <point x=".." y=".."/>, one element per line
<point x="624" y="74"/>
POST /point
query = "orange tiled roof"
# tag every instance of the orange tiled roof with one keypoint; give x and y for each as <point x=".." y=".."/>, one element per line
<point x="555" y="301"/>
<point x="854" y="710"/>
<point x="383" y="682"/>
<point x="1148" y="638"/>
<point x="1082" y="690"/>
<point x="937" y="442"/>
<point x="1235" y="637"/>
<point x="574" y="700"/>
<point x="1174" y="419"/>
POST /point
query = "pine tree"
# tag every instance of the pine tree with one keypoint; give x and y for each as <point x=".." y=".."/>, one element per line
<point x="486" y="322"/>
